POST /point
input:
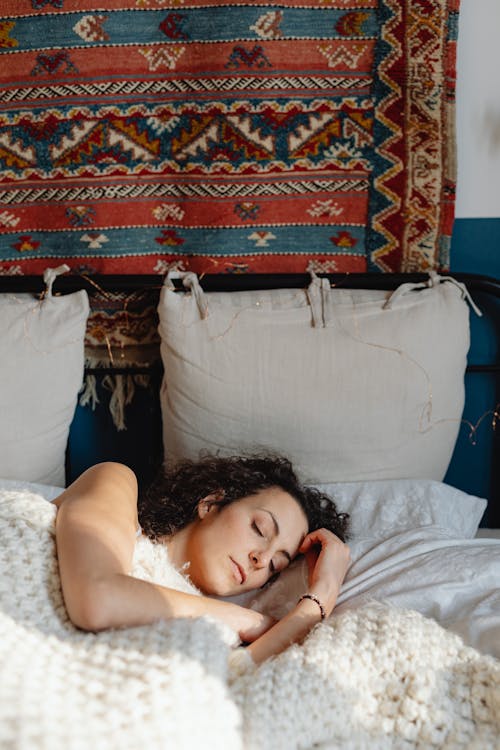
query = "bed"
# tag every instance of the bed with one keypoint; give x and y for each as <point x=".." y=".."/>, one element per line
<point x="361" y="382"/>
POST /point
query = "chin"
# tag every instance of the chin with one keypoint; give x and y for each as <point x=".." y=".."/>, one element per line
<point x="213" y="582"/>
<point x="211" y="587"/>
<point x="222" y="588"/>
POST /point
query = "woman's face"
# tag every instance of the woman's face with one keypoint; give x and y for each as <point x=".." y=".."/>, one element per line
<point x="238" y="547"/>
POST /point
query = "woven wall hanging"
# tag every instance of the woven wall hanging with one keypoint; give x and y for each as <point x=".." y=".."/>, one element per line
<point x="227" y="136"/>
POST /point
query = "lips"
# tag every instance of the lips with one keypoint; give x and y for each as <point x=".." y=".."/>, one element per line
<point x="238" y="573"/>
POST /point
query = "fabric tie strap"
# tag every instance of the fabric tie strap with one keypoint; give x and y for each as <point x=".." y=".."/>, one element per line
<point x="434" y="280"/>
<point x="50" y="275"/>
<point x="190" y="281"/>
<point x="317" y="294"/>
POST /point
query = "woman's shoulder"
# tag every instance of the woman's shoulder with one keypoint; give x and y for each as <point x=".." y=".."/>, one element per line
<point x="151" y="562"/>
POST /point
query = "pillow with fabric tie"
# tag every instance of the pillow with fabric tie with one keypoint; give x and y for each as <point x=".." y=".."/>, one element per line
<point x="349" y="384"/>
<point x="42" y="361"/>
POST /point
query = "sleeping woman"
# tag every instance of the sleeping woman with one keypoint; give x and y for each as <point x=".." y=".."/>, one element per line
<point x="231" y="523"/>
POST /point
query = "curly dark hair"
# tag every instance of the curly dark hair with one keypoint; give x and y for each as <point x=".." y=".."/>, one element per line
<point x="171" y="501"/>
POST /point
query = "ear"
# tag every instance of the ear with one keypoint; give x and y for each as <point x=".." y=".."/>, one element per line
<point x="209" y="504"/>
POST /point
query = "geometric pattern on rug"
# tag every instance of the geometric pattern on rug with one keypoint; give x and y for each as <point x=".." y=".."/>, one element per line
<point x="227" y="137"/>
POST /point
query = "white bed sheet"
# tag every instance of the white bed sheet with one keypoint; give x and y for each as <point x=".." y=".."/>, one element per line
<point x="454" y="581"/>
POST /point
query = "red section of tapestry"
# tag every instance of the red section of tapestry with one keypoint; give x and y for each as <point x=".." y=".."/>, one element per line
<point x="265" y="140"/>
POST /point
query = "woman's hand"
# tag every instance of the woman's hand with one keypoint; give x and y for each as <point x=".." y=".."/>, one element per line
<point x="248" y="623"/>
<point x="328" y="560"/>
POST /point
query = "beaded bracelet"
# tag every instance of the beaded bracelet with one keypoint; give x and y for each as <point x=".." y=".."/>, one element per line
<point x="314" y="598"/>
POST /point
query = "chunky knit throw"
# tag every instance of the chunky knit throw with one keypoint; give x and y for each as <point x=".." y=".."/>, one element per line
<point x="374" y="678"/>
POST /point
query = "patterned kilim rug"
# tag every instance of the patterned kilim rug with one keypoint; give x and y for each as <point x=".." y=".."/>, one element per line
<point x="226" y="136"/>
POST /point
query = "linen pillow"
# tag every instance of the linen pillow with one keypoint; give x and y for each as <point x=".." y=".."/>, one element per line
<point x="41" y="355"/>
<point x="349" y="384"/>
<point x="382" y="508"/>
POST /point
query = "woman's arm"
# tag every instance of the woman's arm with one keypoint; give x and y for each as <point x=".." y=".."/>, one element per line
<point x="95" y="534"/>
<point x="328" y="559"/>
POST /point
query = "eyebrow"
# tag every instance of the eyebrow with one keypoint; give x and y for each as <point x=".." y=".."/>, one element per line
<point x="277" y="531"/>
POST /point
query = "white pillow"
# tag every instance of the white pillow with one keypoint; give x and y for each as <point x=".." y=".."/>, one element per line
<point x="349" y="384"/>
<point x="41" y="372"/>
<point x="382" y="508"/>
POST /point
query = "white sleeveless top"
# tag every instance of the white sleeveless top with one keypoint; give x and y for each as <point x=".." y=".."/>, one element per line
<point x="152" y="563"/>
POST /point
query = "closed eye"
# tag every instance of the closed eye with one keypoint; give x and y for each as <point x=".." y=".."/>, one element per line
<point x="272" y="566"/>
<point x="256" y="529"/>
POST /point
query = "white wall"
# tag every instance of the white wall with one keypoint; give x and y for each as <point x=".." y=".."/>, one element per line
<point x="478" y="109"/>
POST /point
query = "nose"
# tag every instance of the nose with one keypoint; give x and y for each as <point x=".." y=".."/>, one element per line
<point x="260" y="558"/>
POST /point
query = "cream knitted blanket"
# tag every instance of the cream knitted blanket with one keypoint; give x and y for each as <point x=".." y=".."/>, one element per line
<point x="369" y="679"/>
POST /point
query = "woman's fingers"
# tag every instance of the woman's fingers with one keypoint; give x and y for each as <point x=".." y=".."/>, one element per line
<point x="318" y="536"/>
